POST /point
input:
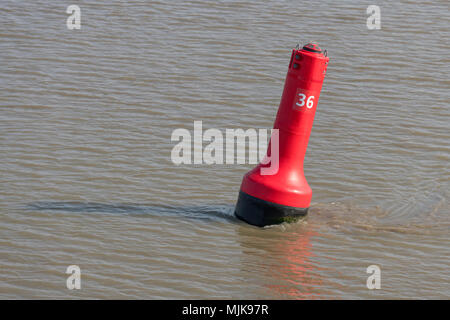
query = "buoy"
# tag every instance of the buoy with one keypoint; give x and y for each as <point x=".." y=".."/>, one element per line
<point x="285" y="195"/>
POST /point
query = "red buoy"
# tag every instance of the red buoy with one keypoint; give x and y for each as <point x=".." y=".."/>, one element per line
<point x="281" y="195"/>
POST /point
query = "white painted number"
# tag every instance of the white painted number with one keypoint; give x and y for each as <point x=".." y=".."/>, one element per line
<point x="310" y="102"/>
<point x="301" y="101"/>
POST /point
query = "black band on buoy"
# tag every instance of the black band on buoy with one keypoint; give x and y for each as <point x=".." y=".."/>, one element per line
<point x="262" y="213"/>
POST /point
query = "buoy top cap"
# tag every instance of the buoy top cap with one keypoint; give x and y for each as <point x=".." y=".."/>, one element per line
<point x="312" y="47"/>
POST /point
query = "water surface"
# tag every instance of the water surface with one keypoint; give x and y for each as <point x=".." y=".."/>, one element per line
<point x="86" y="178"/>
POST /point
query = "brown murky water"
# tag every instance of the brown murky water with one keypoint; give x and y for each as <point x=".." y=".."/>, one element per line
<point x="86" y="177"/>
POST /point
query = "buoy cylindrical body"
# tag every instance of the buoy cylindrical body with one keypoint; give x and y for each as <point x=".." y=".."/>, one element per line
<point x="279" y="195"/>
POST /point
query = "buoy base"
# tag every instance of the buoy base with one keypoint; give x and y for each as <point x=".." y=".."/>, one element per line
<point x="262" y="213"/>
